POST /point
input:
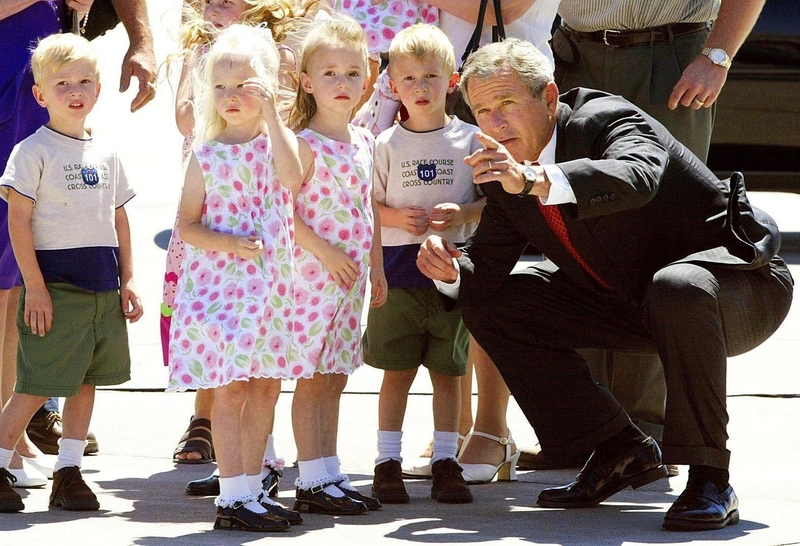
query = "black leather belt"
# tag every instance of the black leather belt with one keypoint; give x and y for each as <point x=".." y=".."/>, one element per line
<point x="627" y="38"/>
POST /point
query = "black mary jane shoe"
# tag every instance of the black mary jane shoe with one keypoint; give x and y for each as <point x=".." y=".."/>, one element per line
<point x="601" y="478"/>
<point x="204" y="487"/>
<point x="317" y="501"/>
<point x="292" y="516"/>
<point x="239" y="518"/>
<point x="370" y="502"/>
<point x="702" y="507"/>
<point x="271" y="482"/>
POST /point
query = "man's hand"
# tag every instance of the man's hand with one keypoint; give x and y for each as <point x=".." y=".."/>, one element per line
<point x="699" y="86"/>
<point x="38" y="310"/>
<point x="435" y="259"/>
<point x="140" y="63"/>
<point x="493" y="163"/>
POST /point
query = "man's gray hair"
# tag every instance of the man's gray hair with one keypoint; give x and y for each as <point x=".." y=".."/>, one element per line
<point x="533" y="69"/>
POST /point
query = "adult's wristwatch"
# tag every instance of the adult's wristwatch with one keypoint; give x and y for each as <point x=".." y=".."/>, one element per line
<point x="531" y="177"/>
<point x="717" y="56"/>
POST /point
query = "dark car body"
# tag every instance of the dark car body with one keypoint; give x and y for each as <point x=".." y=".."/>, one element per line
<point x="757" y="123"/>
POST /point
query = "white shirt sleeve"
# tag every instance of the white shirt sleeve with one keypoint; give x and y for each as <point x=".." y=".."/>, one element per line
<point x="450" y="289"/>
<point x="560" y="190"/>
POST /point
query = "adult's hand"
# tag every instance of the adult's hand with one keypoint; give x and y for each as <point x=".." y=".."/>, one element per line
<point x="494" y="163"/>
<point x="699" y="86"/>
<point x="140" y="60"/>
<point x="435" y="259"/>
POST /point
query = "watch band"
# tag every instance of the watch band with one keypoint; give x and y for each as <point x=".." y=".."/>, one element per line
<point x="526" y="189"/>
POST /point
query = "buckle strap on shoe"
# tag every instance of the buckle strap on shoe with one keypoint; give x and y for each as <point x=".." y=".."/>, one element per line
<point x="7" y="476"/>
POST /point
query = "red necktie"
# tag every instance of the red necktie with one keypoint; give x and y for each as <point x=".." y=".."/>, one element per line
<point x="554" y="219"/>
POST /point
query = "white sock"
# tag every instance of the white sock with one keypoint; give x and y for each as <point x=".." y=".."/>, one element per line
<point x="5" y="457"/>
<point x="70" y="453"/>
<point x="254" y="483"/>
<point x="445" y="445"/>
<point x="236" y="489"/>
<point x="314" y="474"/>
<point x="334" y="466"/>
<point x="390" y="443"/>
<point x="269" y="451"/>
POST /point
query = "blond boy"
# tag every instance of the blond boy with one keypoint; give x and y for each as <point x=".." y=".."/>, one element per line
<point x="71" y="239"/>
<point x="422" y="186"/>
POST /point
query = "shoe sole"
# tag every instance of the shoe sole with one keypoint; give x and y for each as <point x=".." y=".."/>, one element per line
<point x="391" y="498"/>
<point x="451" y="498"/>
<point x="314" y="509"/>
<point x="635" y="482"/>
<point x="13" y="506"/>
<point x="198" y="492"/>
<point x="235" y="524"/>
<point x="76" y="506"/>
<point x="688" y="525"/>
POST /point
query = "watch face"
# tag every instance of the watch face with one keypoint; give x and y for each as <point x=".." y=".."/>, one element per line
<point x="717" y="56"/>
<point x="529" y="173"/>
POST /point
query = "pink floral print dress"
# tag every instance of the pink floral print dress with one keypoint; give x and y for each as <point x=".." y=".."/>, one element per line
<point x="232" y="317"/>
<point x="381" y="21"/>
<point x="337" y="205"/>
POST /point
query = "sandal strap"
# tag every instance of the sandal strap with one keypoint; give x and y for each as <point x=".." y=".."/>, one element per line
<point x="502" y="441"/>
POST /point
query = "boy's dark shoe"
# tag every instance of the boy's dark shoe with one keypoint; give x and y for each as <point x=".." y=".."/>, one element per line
<point x="10" y="501"/>
<point x="44" y="430"/>
<point x="70" y="492"/>
<point x="239" y="518"/>
<point x="388" y="486"/>
<point x="448" y="484"/>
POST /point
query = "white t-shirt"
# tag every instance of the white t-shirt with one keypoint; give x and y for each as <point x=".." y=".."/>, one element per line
<point x="76" y="186"/>
<point x="534" y="26"/>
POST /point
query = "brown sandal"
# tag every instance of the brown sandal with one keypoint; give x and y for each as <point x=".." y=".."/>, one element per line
<point x="196" y="439"/>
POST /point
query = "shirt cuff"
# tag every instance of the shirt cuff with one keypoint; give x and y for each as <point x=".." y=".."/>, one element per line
<point x="450" y="289"/>
<point x="560" y="190"/>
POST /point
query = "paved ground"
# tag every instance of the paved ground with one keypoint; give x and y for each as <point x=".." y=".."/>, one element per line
<point x="141" y="491"/>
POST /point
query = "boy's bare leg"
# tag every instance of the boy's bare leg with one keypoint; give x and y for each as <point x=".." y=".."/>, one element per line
<point x="393" y="398"/>
<point x="493" y="395"/>
<point x="78" y="413"/>
<point x="446" y="401"/>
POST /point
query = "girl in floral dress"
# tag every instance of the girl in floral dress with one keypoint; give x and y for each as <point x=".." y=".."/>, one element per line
<point x="338" y="242"/>
<point x="231" y="326"/>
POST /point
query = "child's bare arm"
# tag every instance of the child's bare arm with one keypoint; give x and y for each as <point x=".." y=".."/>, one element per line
<point x="38" y="305"/>
<point x="449" y="215"/>
<point x="334" y="259"/>
<point x="413" y="219"/>
<point x="377" y="276"/>
<point x="129" y="296"/>
<point x="184" y="108"/>
<point x="195" y="233"/>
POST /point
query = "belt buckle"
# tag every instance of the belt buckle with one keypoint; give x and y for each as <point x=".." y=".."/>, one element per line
<point x="605" y="36"/>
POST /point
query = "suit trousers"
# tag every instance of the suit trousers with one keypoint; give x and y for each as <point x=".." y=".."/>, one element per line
<point x="693" y="315"/>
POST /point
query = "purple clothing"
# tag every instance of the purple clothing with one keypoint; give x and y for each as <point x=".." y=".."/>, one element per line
<point x="20" y="115"/>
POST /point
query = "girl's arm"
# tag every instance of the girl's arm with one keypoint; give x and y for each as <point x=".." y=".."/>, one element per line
<point x="129" y="296"/>
<point x="184" y="108"/>
<point x="195" y="233"/>
<point x="377" y="276"/>
<point x="38" y="305"/>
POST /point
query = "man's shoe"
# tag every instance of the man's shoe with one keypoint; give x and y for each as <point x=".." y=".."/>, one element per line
<point x="204" y="487"/>
<point x="10" y="501"/>
<point x="387" y="485"/>
<point x="535" y="459"/>
<point x="317" y="501"/>
<point x="703" y="508"/>
<point x="448" y="484"/>
<point x="70" y="492"/>
<point x="44" y="430"/>
<point x="600" y="479"/>
<point x="239" y="518"/>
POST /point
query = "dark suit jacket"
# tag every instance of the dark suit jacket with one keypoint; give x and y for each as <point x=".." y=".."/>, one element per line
<point x="643" y="202"/>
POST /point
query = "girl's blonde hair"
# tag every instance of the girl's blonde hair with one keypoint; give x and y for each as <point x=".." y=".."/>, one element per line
<point x="340" y="31"/>
<point x="243" y="43"/>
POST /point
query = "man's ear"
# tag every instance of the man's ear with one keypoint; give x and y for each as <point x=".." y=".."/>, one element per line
<point x="38" y="96"/>
<point x="551" y="97"/>
<point x="453" y="83"/>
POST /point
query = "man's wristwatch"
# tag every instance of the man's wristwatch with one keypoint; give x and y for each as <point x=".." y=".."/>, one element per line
<point x="717" y="56"/>
<point x="531" y="177"/>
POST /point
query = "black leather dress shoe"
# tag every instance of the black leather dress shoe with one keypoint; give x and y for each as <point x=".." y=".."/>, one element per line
<point x="600" y="478"/>
<point x="317" y="501"/>
<point x="239" y="518"/>
<point x="703" y="508"/>
<point x="204" y="487"/>
<point x="292" y="516"/>
<point x="271" y="482"/>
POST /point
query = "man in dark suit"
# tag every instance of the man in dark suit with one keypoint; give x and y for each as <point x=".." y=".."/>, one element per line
<point x="646" y="250"/>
